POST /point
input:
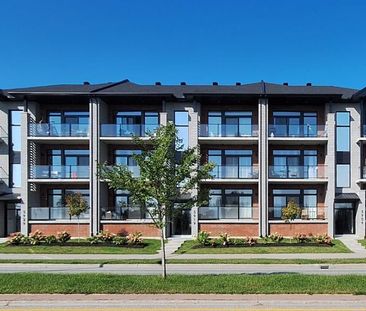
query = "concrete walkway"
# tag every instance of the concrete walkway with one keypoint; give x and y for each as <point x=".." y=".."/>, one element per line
<point x="184" y="302"/>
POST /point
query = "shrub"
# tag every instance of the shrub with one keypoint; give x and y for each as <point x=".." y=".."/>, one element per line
<point x="275" y="237"/>
<point x="50" y="239"/>
<point x="63" y="236"/>
<point x="36" y="237"/>
<point x="250" y="241"/>
<point x="135" y="238"/>
<point x="224" y="239"/>
<point x="203" y="238"/>
<point x="301" y="238"/>
<point x="119" y="240"/>
<point x="16" y="238"/>
<point x="105" y="236"/>
<point x="323" y="239"/>
<point x="93" y="240"/>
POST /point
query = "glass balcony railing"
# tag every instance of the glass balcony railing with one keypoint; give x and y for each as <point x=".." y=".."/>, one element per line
<point x="235" y="172"/>
<point x="297" y="172"/>
<point x="306" y="213"/>
<point x="228" y="130"/>
<point x="127" y="130"/>
<point x="297" y="130"/>
<point x="59" y="172"/>
<point x="227" y="212"/>
<point x="124" y="213"/>
<point x="53" y="213"/>
<point x="135" y="170"/>
<point x="58" y="130"/>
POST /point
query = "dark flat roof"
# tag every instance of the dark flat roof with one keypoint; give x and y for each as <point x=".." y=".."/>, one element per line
<point x="126" y="87"/>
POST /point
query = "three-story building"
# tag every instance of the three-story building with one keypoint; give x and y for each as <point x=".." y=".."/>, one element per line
<point x="271" y="144"/>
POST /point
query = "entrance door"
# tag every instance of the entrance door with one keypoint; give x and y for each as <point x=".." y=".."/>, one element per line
<point x="12" y="218"/>
<point x="181" y="224"/>
<point x="344" y="218"/>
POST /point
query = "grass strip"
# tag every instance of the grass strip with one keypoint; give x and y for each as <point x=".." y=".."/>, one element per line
<point x="152" y="247"/>
<point x="192" y="247"/>
<point x="36" y="283"/>
<point x="263" y="261"/>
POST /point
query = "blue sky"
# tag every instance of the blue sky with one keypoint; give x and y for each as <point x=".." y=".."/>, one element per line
<point x="71" y="41"/>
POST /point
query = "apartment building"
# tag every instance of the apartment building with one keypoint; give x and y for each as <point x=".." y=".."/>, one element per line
<point x="271" y="143"/>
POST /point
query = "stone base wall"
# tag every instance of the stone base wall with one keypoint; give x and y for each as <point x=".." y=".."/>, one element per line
<point x="236" y="230"/>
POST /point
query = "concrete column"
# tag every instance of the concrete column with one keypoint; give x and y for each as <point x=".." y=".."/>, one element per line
<point x="330" y="166"/>
<point x="94" y="126"/>
<point x="25" y="168"/>
<point x="263" y="165"/>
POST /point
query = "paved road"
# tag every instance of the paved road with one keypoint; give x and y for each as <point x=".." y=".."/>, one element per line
<point x="182" y="302"/>
<point x="193" y="269"/>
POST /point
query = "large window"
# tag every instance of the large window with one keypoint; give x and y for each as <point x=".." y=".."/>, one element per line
<point x="297" y="124"/>
<point x="232" y="163"/>
<point x="229" y="123"/>
<point x="67" y="123"/>
<point x="295" y="164"/>
<point x="125" y="157"/>
<point x="343" y="158"/>
<point x="306" y="199"/>
<point x="15" y="148"/>
<point x="136" y="123"/>
<point x="181" y="121"/>
<point x="228" y="204"/>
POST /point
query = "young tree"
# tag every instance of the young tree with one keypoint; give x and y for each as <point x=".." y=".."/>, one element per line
<point x="291" y="211"/>
<point x="167" y="174"/>
<point x="76" y="205"/>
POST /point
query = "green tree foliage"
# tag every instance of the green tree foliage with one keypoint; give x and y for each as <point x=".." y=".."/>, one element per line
<point x="291" y="211"/>
<point x="167" y="174"/>
<point x="76" y="205"/>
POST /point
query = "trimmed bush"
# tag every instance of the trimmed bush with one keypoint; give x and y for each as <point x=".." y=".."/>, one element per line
<point x="63" y="236"/>
<point x="203" y="238"/>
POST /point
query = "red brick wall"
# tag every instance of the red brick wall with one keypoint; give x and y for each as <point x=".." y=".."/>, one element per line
<point x="291" y="229"/>
<point x="147" y="230"/>
<point x="241" y="230"/>
<point x="54" y="228"/>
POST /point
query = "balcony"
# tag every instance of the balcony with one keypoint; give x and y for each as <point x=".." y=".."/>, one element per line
<point x="123" y="213"/>
<point x="303" y="173"/>
<point x="227" y="213"/>
<point x="235" y="172"/>
<point x="127" y="130"/>
<point x="57" y="172"/>
<point x="363" y="175"/>
<point x="58" y="130"/>
<point x="53" y="213"/>
<point x="307" y="213"/>
<point x="135" y="170"/>
<point x="306" y="134"/>
<point x="228" y="133"/>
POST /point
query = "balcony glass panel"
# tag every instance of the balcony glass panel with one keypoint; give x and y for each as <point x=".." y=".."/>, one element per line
<point x="235" y="172"/>
<point x="225" y="212"/>
<point x="58" y="130"/>
<point x="296" y="130"/>
<point x="228" y="130"/>
<point x="299" y="172"/>
<point x="53" y="213"/>
<point x="123" y="213"/>
<point x="306" y="213"/>
<point x="127" y="130"/>
<point x="59" y="172"/>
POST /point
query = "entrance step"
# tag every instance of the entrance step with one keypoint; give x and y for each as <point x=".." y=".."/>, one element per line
<point x="174" y="243"/>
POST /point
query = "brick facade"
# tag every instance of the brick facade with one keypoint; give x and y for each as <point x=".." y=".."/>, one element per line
<point x="290" y="229"/>
<point x="49" y="229"/>
<point x="146" y="229"/>
<point x="239" y="230"/>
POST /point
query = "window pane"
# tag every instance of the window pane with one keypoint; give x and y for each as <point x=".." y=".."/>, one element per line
<point x="16" y="116"/>
<point x="16" y="174"/>
<point x="343" y="118"/>
<point x="343" y="172"/>
<point x="183" y="135"/>
<point x="343" y="139"/>
<point x="181" y="118"/>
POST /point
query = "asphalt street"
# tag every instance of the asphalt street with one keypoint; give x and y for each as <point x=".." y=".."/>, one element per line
<point x="182" y="302"/>
<point x="191" y="269"/>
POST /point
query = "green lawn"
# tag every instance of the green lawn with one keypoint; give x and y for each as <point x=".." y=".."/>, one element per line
<point x="152" y="246"/>
<point x="190" y="247"/>
<point x="363" y="242"/>
<point x="32" y="283"/>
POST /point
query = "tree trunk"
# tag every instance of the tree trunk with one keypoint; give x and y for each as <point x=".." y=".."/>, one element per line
<point x="163" y="259"/>
<point x="78" y="229"/>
